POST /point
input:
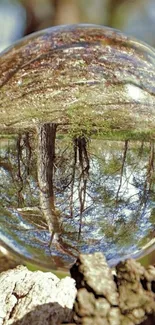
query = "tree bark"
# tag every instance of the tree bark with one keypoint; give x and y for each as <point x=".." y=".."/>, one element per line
<point x="46" y="157"/>
<point x="35" y="298"/>
<point x="124" y="296"/>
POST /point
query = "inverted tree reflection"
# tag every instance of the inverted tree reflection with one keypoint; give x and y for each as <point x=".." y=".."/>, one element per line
<point x="90" y="194"/>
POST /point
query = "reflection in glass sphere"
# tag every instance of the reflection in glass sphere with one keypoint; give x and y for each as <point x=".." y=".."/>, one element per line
<point x="77" y="145"/>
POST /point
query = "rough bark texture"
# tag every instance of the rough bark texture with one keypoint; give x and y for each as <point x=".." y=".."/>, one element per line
<point x="46" y="156"/>
<point x="126" y="298"/>
<point x="35" y="298"/>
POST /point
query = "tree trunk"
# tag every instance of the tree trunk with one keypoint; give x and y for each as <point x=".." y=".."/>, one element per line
<point x="66" y="12"/>
<point x="46" y="157"/>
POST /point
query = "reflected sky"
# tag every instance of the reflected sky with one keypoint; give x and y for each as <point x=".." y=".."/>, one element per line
<point x="99" y="197"/>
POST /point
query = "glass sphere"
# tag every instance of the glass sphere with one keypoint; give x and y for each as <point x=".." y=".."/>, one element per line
<point x="77" y="107"/>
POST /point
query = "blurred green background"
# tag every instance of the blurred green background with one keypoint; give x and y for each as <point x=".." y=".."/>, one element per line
<point x="22" y="17"/>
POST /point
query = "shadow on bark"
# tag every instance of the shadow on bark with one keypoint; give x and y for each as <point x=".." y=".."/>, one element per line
<point x="50" y="313"/>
